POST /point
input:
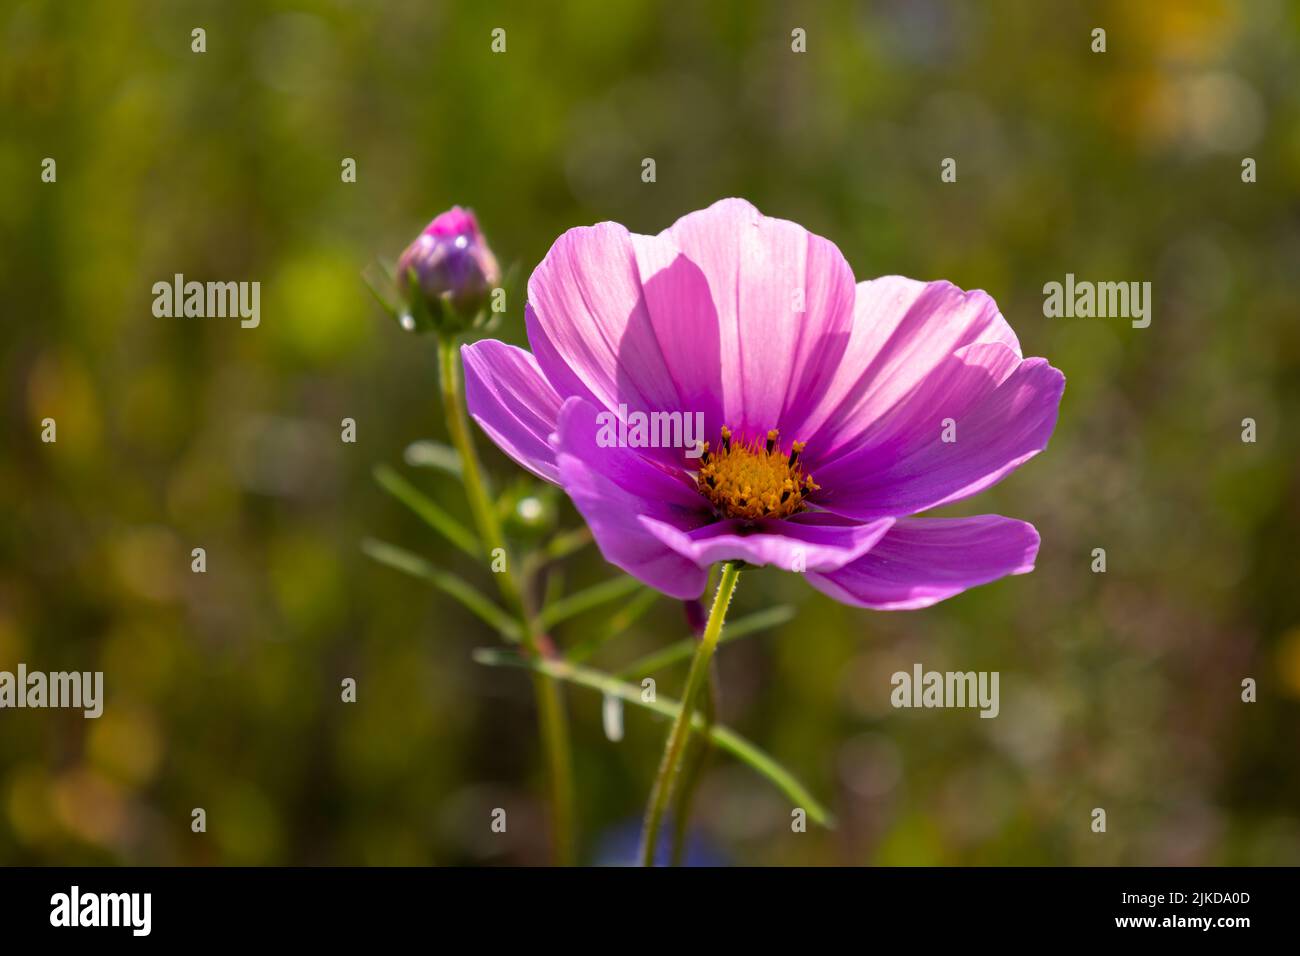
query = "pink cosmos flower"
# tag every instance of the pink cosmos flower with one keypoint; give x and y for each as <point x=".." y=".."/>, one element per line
<point x="826" y="405"/>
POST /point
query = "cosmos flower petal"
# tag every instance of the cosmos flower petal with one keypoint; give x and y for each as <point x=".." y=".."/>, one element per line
<point x="581" y="433"/>
<point x="612" y="488"/>
<point x="784" y="301"/>
<point x="513" y="402"/>
<point x="594" y="335"/>
<point x="807" y="542"/>
<point x="685" y="322"/>
<point x="922" y="561"/>
<point x="999" y="410"/>
<point x="903" y="331"/>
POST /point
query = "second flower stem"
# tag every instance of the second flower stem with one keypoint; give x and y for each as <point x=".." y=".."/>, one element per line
<point x="698" y="750"/>
<point x="552" y="721"/>
<point x="670" y="764"/>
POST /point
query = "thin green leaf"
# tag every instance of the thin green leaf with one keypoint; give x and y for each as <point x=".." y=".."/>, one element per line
<point x="560" y="546"/>
<point x="432" y="514"/>
<point x="378" y="276"/>
<point x="683" y="650"/>
<point x="554" y="587"/>
<point x="626" y="616"/>
<point x="445" y="581"/>
<point x="586" y="599"/>
<point x="567" y="542"/>
<point x="722" y="737"/>
<point x="433" y="454"/>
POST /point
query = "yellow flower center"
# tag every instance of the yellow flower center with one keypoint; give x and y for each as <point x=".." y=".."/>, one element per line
<point x="754" y="479"/>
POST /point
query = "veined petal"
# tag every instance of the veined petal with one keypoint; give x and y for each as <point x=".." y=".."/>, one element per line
<point x="613" y="487"/>
<point x="903" y="331"/>
<point x="685" y="322"/>
<point x="921" y="561"/>
<point x="628" y="323"/>
<point x="998" y="410"/>
<point x="784" y="304"/>
<point x="513" y="402"/>
<point x="594" y="334"/>
<point x="812" y="541"/>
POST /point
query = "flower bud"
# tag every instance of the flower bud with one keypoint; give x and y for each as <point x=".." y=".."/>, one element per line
<point x="448" y="273"/>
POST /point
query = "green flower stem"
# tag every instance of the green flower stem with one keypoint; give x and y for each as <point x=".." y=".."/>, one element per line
<point x="552" y="721"/>
<point x="480" y="497"/>
<point x="681" y="731"/>
<point x="698" y="750"/>
<point x="723" y="738"/>
<point x="683" y="649"/>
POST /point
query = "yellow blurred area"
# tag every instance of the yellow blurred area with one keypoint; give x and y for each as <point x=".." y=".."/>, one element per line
<point x="29" y="803"/>
<point x="243" y="824"/>
<point x="125" y="745"/>
<point x="91" y="806"/>
<point x="1288" y="662"/>
<point x="313" y="301"/>
<point x="144" y="656"/>
<point x="148" y="562"/>
<point x="1182" y="31"/>
<point x="12" y="645"/>
<point x="60" y="387"/>
<point x="309" y="582"/>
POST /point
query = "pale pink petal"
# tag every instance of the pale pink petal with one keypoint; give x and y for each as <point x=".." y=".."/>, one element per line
<point x="599" y="341"/>
<point x="784" y="304"/>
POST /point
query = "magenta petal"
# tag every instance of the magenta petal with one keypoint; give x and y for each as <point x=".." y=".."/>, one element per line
<point x="903" y="331"/>
<point x="599" y="341"/>
<point x="612" y="488"/>
<point x="1003" y="409"/>
<point x="921" y="561"/>
<point x="809" y="542"/>
<point x="784" y="300"/>
<point x="513" y="402"/>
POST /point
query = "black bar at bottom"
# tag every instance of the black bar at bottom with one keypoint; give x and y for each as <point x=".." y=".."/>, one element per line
<point x="336" y="906"/>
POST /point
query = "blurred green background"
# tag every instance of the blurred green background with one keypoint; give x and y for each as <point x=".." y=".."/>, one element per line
<point x="1119" y="690"/>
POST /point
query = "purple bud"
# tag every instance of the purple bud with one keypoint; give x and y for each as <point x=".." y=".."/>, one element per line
<point x="449" y="271"/>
